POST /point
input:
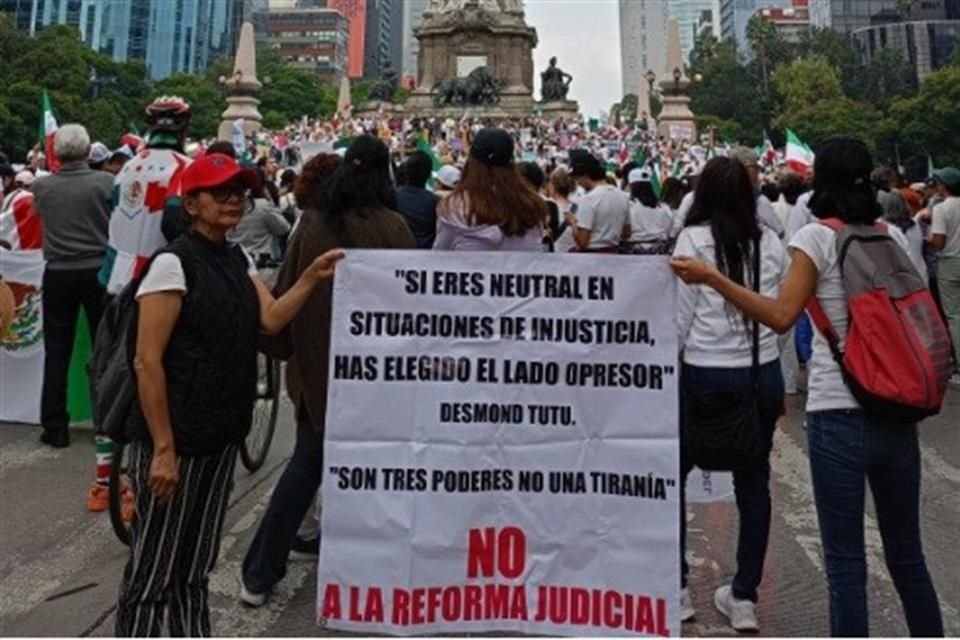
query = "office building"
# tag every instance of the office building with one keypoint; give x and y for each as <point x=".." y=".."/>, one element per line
<point x="926" y="44"/>
<point x="412" y="18"/>
<point x="791" y="23"/>
<point x="689" y="14"/>
<point x="313" y="39"/>
<point x="355" y="11"/>
<point x="170" y="37"/>
<point x="643" y="42"/>
<point x="846" y="16"/>
<point x="378" y="49"/>
<point x="736" y="14"/>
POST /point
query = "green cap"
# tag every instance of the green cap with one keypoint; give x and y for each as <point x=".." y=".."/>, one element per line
<point x="949" y="176"/>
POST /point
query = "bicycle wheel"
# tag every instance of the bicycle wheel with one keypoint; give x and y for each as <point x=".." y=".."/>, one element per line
<point x="119" y="478"/>
<point x="254" y="450"/>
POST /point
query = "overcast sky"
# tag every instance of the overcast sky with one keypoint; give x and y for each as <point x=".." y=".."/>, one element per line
<point x="585" y="37"/>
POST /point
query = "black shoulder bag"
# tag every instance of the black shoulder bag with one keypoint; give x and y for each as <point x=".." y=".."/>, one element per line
<point x="721" y="431"/>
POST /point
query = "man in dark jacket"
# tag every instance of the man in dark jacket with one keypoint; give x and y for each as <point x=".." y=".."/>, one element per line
<point x="74" y="206"/>
<point x="416" y="204"/>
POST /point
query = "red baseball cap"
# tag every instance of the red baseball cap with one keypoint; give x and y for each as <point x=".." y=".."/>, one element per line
<point x="213" y="170"/>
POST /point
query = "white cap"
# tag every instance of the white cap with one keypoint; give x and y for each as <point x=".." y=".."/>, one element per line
<point x="638" y="175"/>
<point x="25" y="178"/>
<point x="99" y="153"/>
<point x="448" y="176"/>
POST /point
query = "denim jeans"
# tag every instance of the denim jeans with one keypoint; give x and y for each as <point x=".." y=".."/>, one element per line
<point x="751" y="484"/>
<point x="266" y="561"/>
<point x="847" y="447"/>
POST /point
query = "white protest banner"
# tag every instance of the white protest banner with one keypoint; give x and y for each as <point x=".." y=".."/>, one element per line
<point x="501" y="446"/>
<point x="21" y="348"/>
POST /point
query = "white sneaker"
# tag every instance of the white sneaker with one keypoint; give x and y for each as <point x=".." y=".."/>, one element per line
<point x="741" y="613"/>
<point x="251" y="599"/>
<point x="686" y="606"/>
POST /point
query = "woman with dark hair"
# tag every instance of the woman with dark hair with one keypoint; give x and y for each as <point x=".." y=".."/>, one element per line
<point x="536" y="178"/>
<point x="650" y="221"/>
<point x="492" y="208"/>
<point x="672" y="192"/>
<point x="349" y="209"/>
<point x="288" y="201"/>
<point x="200" y="311"/>
<point x="561" y="188"/>
<point x="846" y="445"/>
<point x="720" y="347"/>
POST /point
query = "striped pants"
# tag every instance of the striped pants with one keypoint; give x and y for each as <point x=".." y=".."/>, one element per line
<point x="174" y="546"/>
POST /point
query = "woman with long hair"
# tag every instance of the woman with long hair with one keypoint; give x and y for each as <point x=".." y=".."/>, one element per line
<point x="718" y="355"/>
<point x="561" y="188"/>
<point x="492" y="208"/>
<point x="350" y="207"/>
<point x="847" y="445"/>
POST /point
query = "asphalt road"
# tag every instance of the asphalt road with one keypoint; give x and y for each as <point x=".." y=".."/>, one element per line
<point x="60" y="566"/>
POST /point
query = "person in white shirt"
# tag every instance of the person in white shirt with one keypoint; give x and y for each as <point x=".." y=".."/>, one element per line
<point x="723" y="230"/>
<point x="847" y="446"/>
<point x="945" y="238"/>
<point x="765" y="212"/>
<point x="603" y="214"/>
<point x="650" y="221"/>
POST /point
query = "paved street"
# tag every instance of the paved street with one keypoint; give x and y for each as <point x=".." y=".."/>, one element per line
<point x="60" y="566"/>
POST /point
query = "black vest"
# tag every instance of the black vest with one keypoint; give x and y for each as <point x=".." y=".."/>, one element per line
<point x="211" y="360"/>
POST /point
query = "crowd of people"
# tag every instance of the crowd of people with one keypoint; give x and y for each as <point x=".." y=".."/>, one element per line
<point x="188" y="224"/>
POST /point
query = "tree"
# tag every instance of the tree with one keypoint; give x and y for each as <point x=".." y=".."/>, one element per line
<point x="768" y="46"/>
<point x="929" y="123"/>
<point x="726" y="129"/>
<point x="728" y="90"/>
<point x="888" y="76"/>
<point x="818" y="120"/>
<point x="807" y="81"/>
<point x="837" y="49"/>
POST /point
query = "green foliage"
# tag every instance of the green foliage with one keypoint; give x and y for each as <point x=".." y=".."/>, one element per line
<point x="929" y="123"/>
<point x="888" y="76"/>
<point x="818" y="120"/>
<point x="274" y="120"/>
<point x="806" y="81"/>
<point x="726" y="129"/>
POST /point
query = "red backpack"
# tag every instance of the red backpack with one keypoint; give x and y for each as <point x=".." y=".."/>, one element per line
<point x="897" y="357"/>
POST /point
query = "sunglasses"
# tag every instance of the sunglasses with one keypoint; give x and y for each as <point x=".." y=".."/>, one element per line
<point x="224" y="192"/>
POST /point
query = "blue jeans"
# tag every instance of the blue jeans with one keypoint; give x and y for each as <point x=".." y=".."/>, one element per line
<point x="751" y="484"/>
<point x="266" y="561"/>
<point x="847" y="447"/>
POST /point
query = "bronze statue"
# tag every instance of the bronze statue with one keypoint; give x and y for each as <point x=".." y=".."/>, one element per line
<point x="555" y="82"/>
<point x="480" y="88"/>
<point x="384" y="88"/>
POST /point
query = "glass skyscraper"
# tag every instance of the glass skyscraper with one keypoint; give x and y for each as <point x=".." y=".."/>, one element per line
<point x="170" y="36"/>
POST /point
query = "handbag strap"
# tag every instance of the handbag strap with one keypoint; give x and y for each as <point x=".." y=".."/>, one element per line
<point x="755" y="347"/>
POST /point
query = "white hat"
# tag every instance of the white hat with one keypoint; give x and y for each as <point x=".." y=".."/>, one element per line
<point x="25" y="178"/>
<point x="99" y="153"/>
<point x="448" y="176"/>
<point x="638" y="175"/>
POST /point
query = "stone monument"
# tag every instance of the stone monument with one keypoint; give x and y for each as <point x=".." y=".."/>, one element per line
<point x="476" y="59"/>
<point x="554" y="86"/>
<point x="676" y="120"/>
<point x="242" y="88"/>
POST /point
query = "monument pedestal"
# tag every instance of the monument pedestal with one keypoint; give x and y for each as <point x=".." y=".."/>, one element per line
<point x="242" y="88"/>
<point x="378" y="107"/>
<point x="455" y="42"/>
<point x="676" y="120"/>
<point x="559" y="110"/>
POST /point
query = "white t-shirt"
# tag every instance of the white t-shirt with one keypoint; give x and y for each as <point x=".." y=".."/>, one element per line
<point x="765" y="214"/>
<point x="800" y="216"/>
<point x="649" y="224"/>
<point x="946" y="222"/>
<point x="827" y="389"/>
<point x="604" y="212"/>
<point x="713" y="332"/>
<point x="166" y="274"/>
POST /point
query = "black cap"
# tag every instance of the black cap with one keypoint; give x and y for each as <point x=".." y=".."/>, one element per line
<point x="582" y="163"/>
<point x="842" y="160"/>
<point x="493" y="146"/>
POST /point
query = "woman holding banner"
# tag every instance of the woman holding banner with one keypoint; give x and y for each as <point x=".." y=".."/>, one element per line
<point x="492" y="208"/>
<point x="354" y="209"/>
<point x="727" y="356"/>
<point x="847" y="443"/>
<point x="200" y="310"/>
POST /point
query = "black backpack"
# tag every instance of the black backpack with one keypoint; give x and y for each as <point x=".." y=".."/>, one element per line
<point x="113" y="382"/>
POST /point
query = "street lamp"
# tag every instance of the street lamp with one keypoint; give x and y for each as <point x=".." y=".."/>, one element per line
<point x="677" y="74"/>
<point x="650" y="77"/>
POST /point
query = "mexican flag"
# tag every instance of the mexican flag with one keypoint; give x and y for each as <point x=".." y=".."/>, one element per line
<point x="424" y="146"/>
<point x="767" y="153"/>
<point x="655" y="178"/>
<point x="48" y="127"/>
<point x="799" y="156"/>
